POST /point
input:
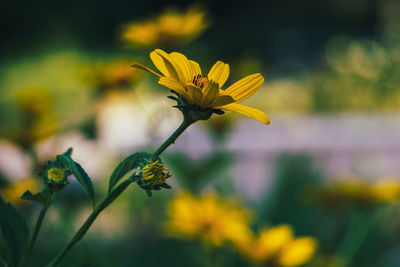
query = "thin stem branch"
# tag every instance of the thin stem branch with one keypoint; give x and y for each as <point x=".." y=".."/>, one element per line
<point x="114" y="194"/>
<point x="171" y="140"/>
<point x="35" y="234"/>
<point x="92" y="217"/>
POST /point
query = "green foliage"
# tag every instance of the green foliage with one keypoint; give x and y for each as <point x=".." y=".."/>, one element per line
<point x="287" y="202"/>
<point x="129" y="163"/>
<point x="43" y="197"/>
<point x="14" y="234"/>
<point x="194" y="175"/>
<point x="79" y="174"/>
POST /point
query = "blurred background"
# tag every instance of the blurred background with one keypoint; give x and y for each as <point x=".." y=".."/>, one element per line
<point x="327" y="166"/>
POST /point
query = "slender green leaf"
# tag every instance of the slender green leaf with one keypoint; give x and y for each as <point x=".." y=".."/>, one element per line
<point x="79" y="174"/>
<point x="129" y="163"/>
<point x="13" y="235"/>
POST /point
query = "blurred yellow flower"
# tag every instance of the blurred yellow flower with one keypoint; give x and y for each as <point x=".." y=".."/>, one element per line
<point x="387" y="190"/>
<point x="278" y="246"/>
<point x="38" y="120"/>
<point x="14" y="192"/>
<point x="297" y="252"/>
<point x="356" y="191"/>
<point x="185" y="78"/>
<point x="115" y="75"/>
<point x="170" y="26"/>
<point x="207" y="218"/>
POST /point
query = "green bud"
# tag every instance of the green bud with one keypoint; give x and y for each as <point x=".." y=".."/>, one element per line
<point x="153" y="176"/>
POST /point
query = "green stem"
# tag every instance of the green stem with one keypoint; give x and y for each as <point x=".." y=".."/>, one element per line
<point x="89" y="221"/>
<point x="114" y="194"/>
<point x="358" y="229"/>
<point x="171" y="140"/>
<point x="35" y="235"/>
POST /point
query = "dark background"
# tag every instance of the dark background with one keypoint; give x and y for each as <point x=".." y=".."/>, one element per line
<point x="285" y="32"/>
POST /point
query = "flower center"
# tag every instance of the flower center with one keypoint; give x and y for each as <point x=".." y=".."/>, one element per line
<point x="200" y="81"/>
<point x="55" y="174"/>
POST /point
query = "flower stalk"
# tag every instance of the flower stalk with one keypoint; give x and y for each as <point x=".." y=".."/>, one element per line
<point x="35" y="234"/>
<point x="171" y="140"/>
<point x="111" y="196"/>
<point x="92" y="217"/>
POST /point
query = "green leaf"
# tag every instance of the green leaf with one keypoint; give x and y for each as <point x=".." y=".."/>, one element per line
<point x="79" y="174"/>
<point x="129" y="163"/>
<point x="42" y="197"/>
<point x="13" y="235"/>
<point x="5" y="253"/>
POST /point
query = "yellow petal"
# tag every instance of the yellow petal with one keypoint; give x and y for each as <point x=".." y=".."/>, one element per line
<point x="210" y="92"/>
<point x="297" y="252"/>
<point x="159" y="63"/>
<point x="194" y="93"/>
<point x="219" y="73"/>
<point x="183" y="63"/>
<point x="248" y="111"/>
<point x="196" y="70"/>
<point x="245" y="87"/>
<point x="174" y="85"/>
<point x="142" y="67"/>
<point x="165" y="64"/>
<point x="222" y="100"/>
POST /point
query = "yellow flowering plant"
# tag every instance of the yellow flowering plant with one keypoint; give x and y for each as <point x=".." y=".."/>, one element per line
<point x="198" y="96"/>
<point x="202" y="94"/>
<point x="170" y="26"/>
<point x="278" y="246"/>
<point x="216" y="222"/>
<point x="352" y="191"/>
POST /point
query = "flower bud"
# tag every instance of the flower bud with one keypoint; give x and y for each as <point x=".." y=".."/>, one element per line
<point x="56" y="175"/>
<point x="153" y="176"/>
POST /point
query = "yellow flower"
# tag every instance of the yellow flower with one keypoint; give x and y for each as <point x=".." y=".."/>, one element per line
<point x="14" y="192"/>
<point x="207" y="218"/>
<point x="386" y="190"/>
<point x="353" y="190"/>
<point x="273" y="239"/>
<point x="55" y="174"/>
<point x="297" y="252"/>
<point x="168" y="27"/>
<point x="267" y="244"/>
<point x="185" y="78"/>
<point x="182" y="25"/>
<point x="115" y="75"/>
<point x="141" y="33"/>
<point x="278" y="245"/>
<point x="37" y="114"/>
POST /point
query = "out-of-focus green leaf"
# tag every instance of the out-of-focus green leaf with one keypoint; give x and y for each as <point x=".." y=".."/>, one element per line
<point x="42" y="197"/>
<point x="194" y="175"/>
<point x="129" y="163"/>
<point x="13" y="235"/>
<point x="79" y="174"/>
